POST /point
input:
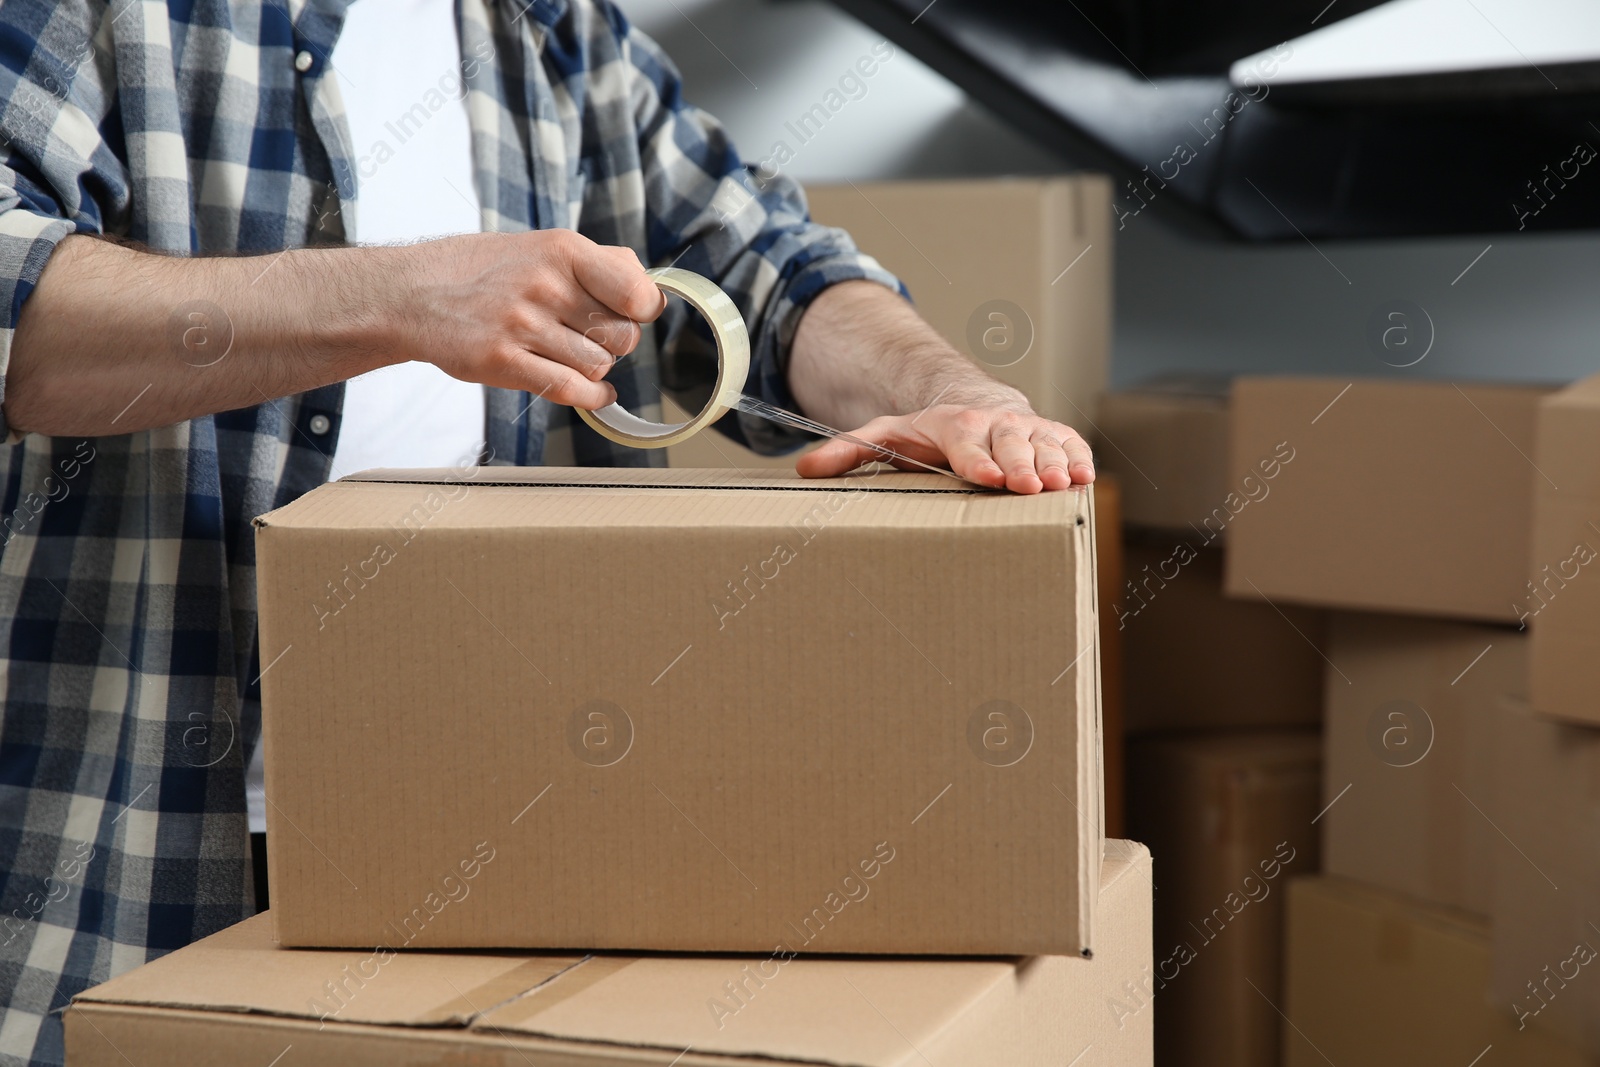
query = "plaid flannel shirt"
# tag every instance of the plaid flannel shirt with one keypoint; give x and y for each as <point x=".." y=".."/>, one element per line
<point x="128" y="683"/>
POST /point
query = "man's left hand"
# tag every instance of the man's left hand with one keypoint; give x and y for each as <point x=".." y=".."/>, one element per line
<point x="1002" y="445"/>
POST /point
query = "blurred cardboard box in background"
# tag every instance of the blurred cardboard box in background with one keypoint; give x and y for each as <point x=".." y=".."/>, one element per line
<point x="1546" y="914"/>
<point x="1168" y="439"/>
<point x="1561" y="600"/>
<point x="1407" y="497"/>
<point x="1409" y="754"/>
<point x="1383" y="980"/>
<point x="1229" y="815"/>
<point x="235" y="998"/>
<point x="741" y="710"/>
<point x="1196" y="659"/>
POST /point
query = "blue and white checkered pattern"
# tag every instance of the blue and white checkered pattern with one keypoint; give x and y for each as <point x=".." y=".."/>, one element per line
<point x="127" y="582"/>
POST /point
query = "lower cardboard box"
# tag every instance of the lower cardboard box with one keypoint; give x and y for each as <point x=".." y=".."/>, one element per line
<point x="1383" y="980"/>
<point x="234" y="998"/>
<point x="1546" y="905"/>
<point x="1409" y="753"/>
<point x="1230" y="816"/>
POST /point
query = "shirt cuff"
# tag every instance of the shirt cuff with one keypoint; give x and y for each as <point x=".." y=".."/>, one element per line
<point x="769" y="370"/>
<point x="27" y="240"/>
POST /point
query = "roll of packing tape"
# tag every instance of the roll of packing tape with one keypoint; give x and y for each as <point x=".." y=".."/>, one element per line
<point x="616" y="423"/>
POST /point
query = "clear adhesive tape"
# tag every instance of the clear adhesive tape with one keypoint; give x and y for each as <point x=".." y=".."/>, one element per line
<point x="616" y="423"/>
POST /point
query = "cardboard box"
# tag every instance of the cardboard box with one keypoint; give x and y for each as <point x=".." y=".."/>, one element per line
<point x="234" y="998"/>
<point x="1229" y="819"/>
<point x="1108" y="561"/>
<point x="1560" y="601"/>
<point x="682" y="711"/>
<point x="1546" y="966"/>
<point x="1168" y="439"/>
<point x="1381" y="495"/>
<point x="1409" y="751"/>
<point x="1196" y="659"/>
<point x="1014" y="272"/>
<point x="1383" y="980"/>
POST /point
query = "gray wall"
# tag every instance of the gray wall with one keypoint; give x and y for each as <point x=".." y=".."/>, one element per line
<point x="1526" y="310"/>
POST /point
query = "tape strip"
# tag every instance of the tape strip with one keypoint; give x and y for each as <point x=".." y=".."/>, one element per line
<point x="616" y="423"/>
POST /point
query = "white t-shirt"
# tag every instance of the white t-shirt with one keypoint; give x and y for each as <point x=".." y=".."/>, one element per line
<point x="399" y="68"/>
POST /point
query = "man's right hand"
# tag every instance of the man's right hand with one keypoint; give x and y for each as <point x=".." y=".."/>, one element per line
<point x="548" y="311"/>
<point x="115" y="339"/>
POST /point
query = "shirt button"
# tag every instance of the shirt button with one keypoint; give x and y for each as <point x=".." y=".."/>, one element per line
<point x="302" y="62"/>
<point x="320" y="424"/>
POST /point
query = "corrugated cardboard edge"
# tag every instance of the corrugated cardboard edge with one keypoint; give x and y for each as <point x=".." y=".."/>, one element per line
<point x="649" y="479"/>
<point x="880" y="479"/>
<point x="1091" y="786"/>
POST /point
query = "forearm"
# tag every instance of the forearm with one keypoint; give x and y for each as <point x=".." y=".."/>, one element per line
<point x="114" y="339"/>
<point x="862" y="351"/>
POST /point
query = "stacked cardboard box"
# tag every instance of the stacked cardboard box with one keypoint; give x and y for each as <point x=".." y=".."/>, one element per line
<point x="1230" y="816"/>
<point x="1546" y="903"/>
<point x="237" y="998"/>
<point x="1222" y="698"/>
<point x="1412" y="709"/>
<point x="1375" y="978"/>
<point x="1448" y="814"/>
<point x="1308" y="496"/>
<point x="567" y="711"/>
<point x="1168" y="438"/>
<point x="1546" y="898"/>
<point x="1395" y="496"/>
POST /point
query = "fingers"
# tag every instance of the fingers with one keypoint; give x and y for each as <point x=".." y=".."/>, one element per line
<point x="1014" y="451"/>
<point x="614" y="277"/>
<point x="513" y="367"/>
<point x="995" y="447"/>
<point x="839" y="456"/>
<point x="1050" y="459"/>
<point x="964" y="437"/>
<point x="1080" y="458"/>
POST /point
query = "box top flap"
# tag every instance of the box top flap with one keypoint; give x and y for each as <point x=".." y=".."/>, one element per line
<point x="240" y="969"/>
<point x="878" y="1012"/>
<point x="518" y="497"/>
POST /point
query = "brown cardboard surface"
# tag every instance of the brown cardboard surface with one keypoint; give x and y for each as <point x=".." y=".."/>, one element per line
<point x="1409" y="751"/>
<point x="1383" y="980"/>
<point x="1108" y="559"/>
<point x="1546" y="803"/>
<point x="1561" y="600"/>
<point x="960" y="246"/>
<point x="1168" y="438"/>
<point x="235" y="997"/>
<point x="1196" y="659"/>
<point x="1228" y="817"/>
<point x="1400" y="496"/>
<point x="646" y="715"/>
